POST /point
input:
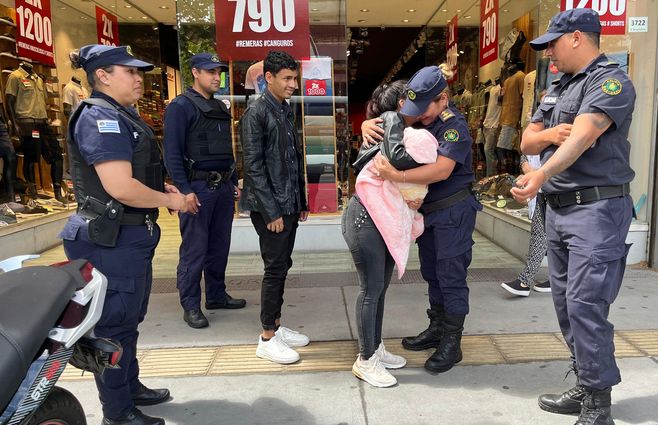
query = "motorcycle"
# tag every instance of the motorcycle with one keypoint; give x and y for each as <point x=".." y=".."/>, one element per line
<point x="47" y="318"/>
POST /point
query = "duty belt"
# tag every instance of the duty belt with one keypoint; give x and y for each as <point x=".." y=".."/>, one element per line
<point x="138" y="219"/>
<point x="589" y="194"/>
<point x="444" y="203"/>
<point x="215" y="177"/>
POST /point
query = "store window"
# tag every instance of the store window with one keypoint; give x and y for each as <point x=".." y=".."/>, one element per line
<point x="320" y="104"/>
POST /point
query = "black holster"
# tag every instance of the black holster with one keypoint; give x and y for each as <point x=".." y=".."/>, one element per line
<point x="104" y="220"/>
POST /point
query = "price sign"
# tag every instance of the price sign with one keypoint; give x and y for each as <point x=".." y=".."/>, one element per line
<point x="248" y="29"/>
<point x="35" y="31"/>
<point x="611" y="12"/>
<point x="451" y="44"/>
<point x="488" y="31"/>
<point x="107" y="27"/>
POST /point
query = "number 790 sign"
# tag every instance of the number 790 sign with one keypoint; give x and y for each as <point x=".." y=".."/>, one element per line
<point x="248" y="29"/>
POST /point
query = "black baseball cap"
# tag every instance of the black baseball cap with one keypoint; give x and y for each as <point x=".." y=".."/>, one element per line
<point x="584" y="20"/>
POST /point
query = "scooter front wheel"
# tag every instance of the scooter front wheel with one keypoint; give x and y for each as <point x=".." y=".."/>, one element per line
<point x="60" y="408"/>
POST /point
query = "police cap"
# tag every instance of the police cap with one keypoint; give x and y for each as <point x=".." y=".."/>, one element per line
<point x="584" y="20"/>
<point x="421" y="89"/>
<point x="94" y="56"/>
<point x="206" y="61"/>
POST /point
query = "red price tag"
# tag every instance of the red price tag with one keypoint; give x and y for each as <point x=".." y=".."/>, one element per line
<point x="248" y="29"/>
<point x="451" y="43"/>
<point x="316" y="88"/>
<point x="107" y="27"/>
<point x="35" y="31"/>
<point x="488" y="31"/>
<point x="611" y="12"/>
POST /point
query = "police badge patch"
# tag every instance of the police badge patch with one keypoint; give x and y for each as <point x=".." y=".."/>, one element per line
<point x="411" y="95"/>
<point x="451" y="135"/>
<point x="611" y="86"/>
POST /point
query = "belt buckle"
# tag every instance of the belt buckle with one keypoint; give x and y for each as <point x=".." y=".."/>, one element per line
<point x="578" y="198"/>
<point x="213" y="180"/>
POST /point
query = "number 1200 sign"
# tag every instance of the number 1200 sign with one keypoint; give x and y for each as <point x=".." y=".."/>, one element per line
<point x="263" y="14"/>
<point x="33" y="26"/>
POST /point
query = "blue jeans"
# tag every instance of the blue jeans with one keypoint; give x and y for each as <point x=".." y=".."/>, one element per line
<point x="374" y="266"/>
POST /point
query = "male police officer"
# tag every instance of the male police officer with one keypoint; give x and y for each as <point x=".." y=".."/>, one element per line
<point x="586" y="182"/>
<point x="199" y="158"/>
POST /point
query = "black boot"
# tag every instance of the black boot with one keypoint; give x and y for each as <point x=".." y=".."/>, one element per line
<point x="430" y="337"/>
<point x="449" y="351"/>
<point x="195" y="319"/>
<point x="57" y="188"/>
<point x="567" y="403"/>
<point x="596" y="408"/>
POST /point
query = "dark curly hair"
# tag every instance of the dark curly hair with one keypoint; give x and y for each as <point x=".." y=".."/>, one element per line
<point x="277" y="60"/>
<point x="385" y="98"/>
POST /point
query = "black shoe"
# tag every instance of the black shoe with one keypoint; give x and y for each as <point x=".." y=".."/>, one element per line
<point x="516" y="287"/>
<point x="430" y="337"/>
<point x="543" y="287"/>
<point x="195" y="319"/>
<point x="136" y="417"/>
<point x="228" y="302"/>
<point x="596" y="409"/>
<point x="567" y="403"/>
<point x="148" y="397"/>
<point x="449" y="352"/>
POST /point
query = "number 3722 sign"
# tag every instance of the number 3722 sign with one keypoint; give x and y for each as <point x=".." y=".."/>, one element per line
<point x="248" y="29"/>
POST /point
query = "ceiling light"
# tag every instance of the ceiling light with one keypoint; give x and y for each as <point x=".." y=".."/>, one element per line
<point x="130" y="17"/>
<point x="62" y="8"/>
<point x="164" y="7"/>
<point x="365" y="10"/>
<point x="459" y="10"/>
<point x="314" y="10"/>
<point x="461" y="52"/>
<point x="144" y="17"/>
<point x="505" y="10"/>
<point x="444" y="10"/>
<point x="127" y="6"/>
<point x="83" y="17"/>
<point x="405" y="20"/>
<point x="467" y="16"/>
<point x="411" y="10"/>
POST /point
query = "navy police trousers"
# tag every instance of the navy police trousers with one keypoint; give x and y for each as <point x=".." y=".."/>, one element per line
<point x="128" y="268"/>
<point x="586" y="261"/>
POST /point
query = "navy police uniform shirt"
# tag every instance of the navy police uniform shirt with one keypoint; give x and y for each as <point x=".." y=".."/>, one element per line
<point x="103" y="134"/>
<point x="451" y="131"/>
<point x="180" y="115"/>
<point x="601" y="87"/>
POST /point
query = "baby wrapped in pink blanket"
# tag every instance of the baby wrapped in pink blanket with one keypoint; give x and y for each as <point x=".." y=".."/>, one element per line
<point x="385" y="200"/>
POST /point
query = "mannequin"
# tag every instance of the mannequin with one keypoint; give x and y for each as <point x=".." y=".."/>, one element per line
<point x="72" y="94"/>
<point x="7" y="161"/>
<point x="26" y="102"/>
<point x="512" y="93"/>
<point x="491" y="126"/>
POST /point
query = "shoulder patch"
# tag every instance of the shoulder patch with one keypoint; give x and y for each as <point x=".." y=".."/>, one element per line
<point x="227" y="103"/>
<point x="451" y="135"/>
<point x="611" y="86"/>
<point x="108" y="126"/>
<point x="446" y="115"/>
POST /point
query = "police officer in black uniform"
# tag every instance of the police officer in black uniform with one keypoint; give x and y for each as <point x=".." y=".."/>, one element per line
<point x="119" y="186"/>
<point x="449" y="210"/>
<point x="586" y="182"/>
<point x="198" y="153"/>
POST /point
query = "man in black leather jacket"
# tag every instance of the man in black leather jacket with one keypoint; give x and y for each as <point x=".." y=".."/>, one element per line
<point x="275" y="193"/>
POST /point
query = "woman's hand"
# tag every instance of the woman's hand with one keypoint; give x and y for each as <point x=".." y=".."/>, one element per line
<point x="415" y="204"/>
<point x="385" y="170"/>
<point x="371" y="132"/>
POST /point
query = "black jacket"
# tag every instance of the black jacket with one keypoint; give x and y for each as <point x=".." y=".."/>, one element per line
<point x="267" y="188"/>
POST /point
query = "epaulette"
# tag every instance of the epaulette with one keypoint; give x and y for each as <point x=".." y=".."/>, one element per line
<point x="609" y="64"/>
<point x="446" y="115"/>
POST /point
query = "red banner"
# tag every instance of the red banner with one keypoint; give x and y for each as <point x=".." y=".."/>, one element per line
<point x="315" y="87"/>
<point x="451" y="45"/>
<point x="107" y="27"/>
<point x="488" y="31"/>
<point x="34" y="38"/>
<point x="612" y="13"/>
<point x="248" y="29"/>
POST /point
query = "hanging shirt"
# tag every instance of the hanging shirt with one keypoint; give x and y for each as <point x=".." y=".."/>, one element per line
<point x="512" y="99"/>
<point x="73" y="93"/>
<point x="492" y="119"/>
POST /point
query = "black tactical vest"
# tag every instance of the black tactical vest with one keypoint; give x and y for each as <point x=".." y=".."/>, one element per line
<point x="146" y="161"/>
<point x="210" y="135"/>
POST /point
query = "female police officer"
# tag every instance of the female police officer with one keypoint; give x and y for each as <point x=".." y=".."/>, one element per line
<point x="119" y="186"/>
<point x="449" y="209"/>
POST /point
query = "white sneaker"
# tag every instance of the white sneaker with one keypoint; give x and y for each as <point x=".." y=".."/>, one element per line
<point x="276" y="351"/>
<point x="373" y="372"/>
<point x="292" y="338"/>
<point x="388" y="359"/>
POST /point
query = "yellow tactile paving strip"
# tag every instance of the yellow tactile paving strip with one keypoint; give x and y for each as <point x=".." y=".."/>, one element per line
<point x="333" y="356"/>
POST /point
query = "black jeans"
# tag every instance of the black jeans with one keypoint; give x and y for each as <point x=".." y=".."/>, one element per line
<point x="276" y="251"/>
<point x="374" y="266"/>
